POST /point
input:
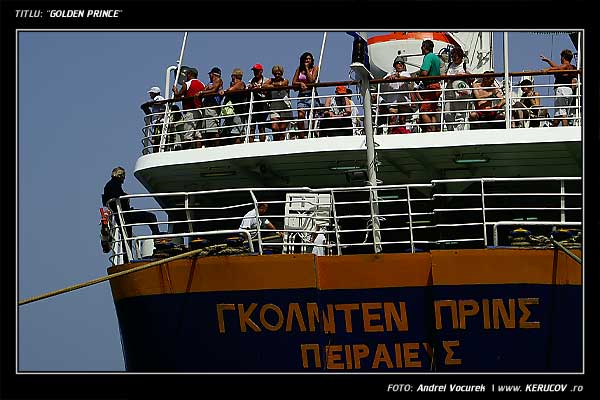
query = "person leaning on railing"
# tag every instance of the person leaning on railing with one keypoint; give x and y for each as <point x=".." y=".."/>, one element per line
<point x="235" y="104"/>
<point x="260" y="106"/>
<point x="489" y="101"/>
<point x="211" y="101"/>
<point x="397" y="98"/>
<point x="338" y="111"/>
<point x="307" y="72"/>
<point x="191" y="105"/>
<point x="154" y="110"/>
<point x="527" y="108"/>
<point x="280" y="104"/>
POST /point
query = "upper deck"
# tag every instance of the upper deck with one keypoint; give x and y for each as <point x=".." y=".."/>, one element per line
<point x="311" y="151"/>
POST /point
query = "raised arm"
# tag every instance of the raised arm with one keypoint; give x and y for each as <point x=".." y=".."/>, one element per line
<point x="547" y="60"/>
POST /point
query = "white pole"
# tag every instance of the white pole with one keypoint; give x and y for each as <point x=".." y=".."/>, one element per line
<point x="163" y="134"/>
<point x="364" y="74"/>
<point x="578" y="86"/>
<point x="180" y="57"/>
<point x="312" y="97"/>
<point x="507" y="86"/>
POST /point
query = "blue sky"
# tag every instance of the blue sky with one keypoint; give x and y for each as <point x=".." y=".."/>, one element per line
<point x="79" y="117"/>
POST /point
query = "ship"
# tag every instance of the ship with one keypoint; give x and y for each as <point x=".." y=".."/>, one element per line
<point x="457" y="250"/>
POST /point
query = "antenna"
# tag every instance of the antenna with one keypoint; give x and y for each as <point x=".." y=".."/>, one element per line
<point x="164" y="128"/>
<point x="180" y="57"/>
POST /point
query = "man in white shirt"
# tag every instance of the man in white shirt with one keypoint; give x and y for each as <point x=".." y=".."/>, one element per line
<point x="398" y="97"/>
<point x="458" y="91"/>
<point x="251" y="222"/>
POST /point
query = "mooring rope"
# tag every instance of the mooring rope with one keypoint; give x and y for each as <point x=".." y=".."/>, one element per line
<point x="208" y="250"/>
<point x="567" y="251"/>
<point x="118" y="274"/>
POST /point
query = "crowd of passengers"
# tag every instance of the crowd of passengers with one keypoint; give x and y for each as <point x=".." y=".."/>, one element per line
<point x="211" y="115"/>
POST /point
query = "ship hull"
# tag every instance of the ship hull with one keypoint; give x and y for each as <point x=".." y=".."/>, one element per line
<point x="489" y="310"/>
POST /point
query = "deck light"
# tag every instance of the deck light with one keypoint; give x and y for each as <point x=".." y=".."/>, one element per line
<point x="346" y="168"/>
<point x="470" y="159"/>
<point x="217" y="174"/>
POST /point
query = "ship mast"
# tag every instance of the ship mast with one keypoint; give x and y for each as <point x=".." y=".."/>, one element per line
<point x="364" y="74"/>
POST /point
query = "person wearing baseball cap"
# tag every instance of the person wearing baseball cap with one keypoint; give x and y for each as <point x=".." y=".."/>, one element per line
<point x="233" y="124"/>
<point x="216" y="71"/>
<point x="396" y="100"/>
<point x="154" y="110"/>
<point x="211" y="103"/>
<point x="191" y="104"/>
<point x="337" y="112"/>
<point x="260" y="109"/>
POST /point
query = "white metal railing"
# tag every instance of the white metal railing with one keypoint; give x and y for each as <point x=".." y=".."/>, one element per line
<point x="254" y="120"/>
<point x="335" y="221"/>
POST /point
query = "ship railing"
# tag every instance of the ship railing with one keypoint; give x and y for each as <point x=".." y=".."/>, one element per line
<point x="251" y="122"/>
<point x="451" y="213"/>
<point x="488" y="203"/>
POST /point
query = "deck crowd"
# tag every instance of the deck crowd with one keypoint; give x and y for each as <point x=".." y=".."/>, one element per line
<point x="212" y="115"/>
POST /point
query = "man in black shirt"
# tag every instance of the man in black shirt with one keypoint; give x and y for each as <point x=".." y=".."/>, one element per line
<point x="114" y="189"/>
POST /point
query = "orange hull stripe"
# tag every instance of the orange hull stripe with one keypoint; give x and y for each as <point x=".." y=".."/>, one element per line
<point x="441" y="267"/>
<point x="501" y="266"/>
<point x="213" y="274"/>
<point x="439" y="36"/>
<point x="374" y="271"/>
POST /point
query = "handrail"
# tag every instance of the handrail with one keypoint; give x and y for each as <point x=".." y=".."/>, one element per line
<point x="377" y="81"/>
<point x="406" y="218"/>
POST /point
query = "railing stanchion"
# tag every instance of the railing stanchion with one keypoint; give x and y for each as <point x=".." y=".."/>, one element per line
<point x="249" y="126"/>
<point x="485" y="241"/>
<point x="410" y="221"/>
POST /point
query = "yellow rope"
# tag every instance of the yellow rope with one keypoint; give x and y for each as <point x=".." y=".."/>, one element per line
<point x="129" y="271"/>
<point x="105" y="278"/>
<point x="567" y="252"/>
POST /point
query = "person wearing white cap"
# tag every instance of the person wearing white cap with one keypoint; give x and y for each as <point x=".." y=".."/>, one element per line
<point x="397" y="96"/>
<point x="154" y="110"/>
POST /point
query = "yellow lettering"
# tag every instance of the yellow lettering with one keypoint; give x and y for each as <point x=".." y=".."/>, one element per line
<point x="368" y="318"/>
<point x="304" y="348"/>
<point x="411" y="352"/>
<point x="463" y="311"/>
<point x="486" y="314"/>
<point x="245" y="318"/>
<point x="381" y="354"/>
<point x="313" y="315"/>
<point x="278" y="312"/>
<point x="347" y="309"/>
<point x="450" y="352"/>
<point x="332" y="356"/>
<point x="398" y="354"/>
<point x="523" y="323"/>
<point x="348" y="354"/>
<point x="359" y="351"/>
<point x="220" y="308"/>
<point x="508" y="317"/>
<point x="294" y="309"/>
<point x="400" y="319"/>
<point x="429" y="351"/>
<point x="438" y="304"/>
<point x="329" y="320"/>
